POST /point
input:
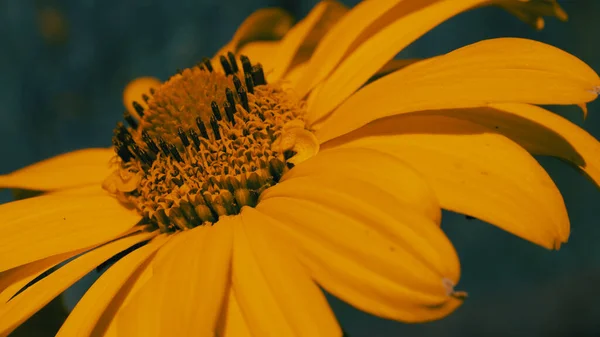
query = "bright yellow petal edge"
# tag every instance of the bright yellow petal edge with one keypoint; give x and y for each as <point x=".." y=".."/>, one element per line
<point x="358" y="217"/>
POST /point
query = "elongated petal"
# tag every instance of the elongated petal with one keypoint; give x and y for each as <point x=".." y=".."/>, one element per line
<point x="77" y="168"/>
<point x="473" y="171"/>
<point x="275" y="293"/>
<point x="383" y="170"/>
<point x="39" y="227"/>
<point x="22" y="306"/>
<point x="305" y="35"/>
<point x="82" y="320"/>
<point x="366" y="248"/>
<point x="234" y="324"/>
<point x="266" y="24"/>
<point x="491" y="71"/>
<point x="13" y="280"/>
<point x="198" y="263"/>
<point x="403" y="24"/>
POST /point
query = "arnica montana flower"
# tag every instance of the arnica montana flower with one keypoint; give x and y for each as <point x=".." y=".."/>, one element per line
<point x="300" y="158"/>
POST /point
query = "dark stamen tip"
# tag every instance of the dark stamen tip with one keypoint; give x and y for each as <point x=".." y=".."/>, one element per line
<point x="138" y="108"/>
<point x="173" y="150"/>
<point x="130" y="120"/>
<point x="258" y="75"/>
<point x="249" y="83"/>
<point x="229" y="111"/>
<point x="145" y="98"/>
<point x="215" y="109"/>
<point x="229" y="96"/>
<point x="215" y="128"/>
<point x="207" y="64"/>
<point x="233" y="62"/>
<point x="164" y="146"/>
<point x="237" y="83"/>
<point x="244" y="98"/>
<point x="195" y="139"/>
<point x="201" y="127"/>
<point x="149" y="142"/>
<point x="225" y="64"/>
<point x="246" y="65"/>
<point x="183" y="136"/>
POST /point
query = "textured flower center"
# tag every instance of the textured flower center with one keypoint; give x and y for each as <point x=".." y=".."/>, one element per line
<point x="206" y="145"/>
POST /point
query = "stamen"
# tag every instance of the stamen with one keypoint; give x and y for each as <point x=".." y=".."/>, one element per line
<point x="146" y="99"/>
<point x="207" y="64"/>
<point x="258" y="76"/>
<point x="237" y="83"/>
<point x="130" y="120"/>
<point x="152" y="91"/>
<point x="149" y="142"/>
<point x="123" y="151"/>
<point x="249" y="83"/>
<point x="233" y="62"/>
<point x="244" y="98"/>
<point x="195" y="139"/>
<point x="138" y="108"/>
<point x="225" y="64"/>
<point x="246" y="65"/>
<point x="215" y="128"/>
<point x="229" y="97"/>
<point x="215" y="109"/>
<point x="164" y="147"/>
<point x="173" y="150"/>
<point x="184" y="140"/>
<point x="202" y="127"/>
<point x="229" y="110"/>
<point x="141" y="154"/>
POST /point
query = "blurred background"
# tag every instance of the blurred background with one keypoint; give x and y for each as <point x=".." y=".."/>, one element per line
<point x="63" y="64"/>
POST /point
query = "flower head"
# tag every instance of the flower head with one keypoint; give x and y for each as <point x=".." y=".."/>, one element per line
<point x="239" y="186"/>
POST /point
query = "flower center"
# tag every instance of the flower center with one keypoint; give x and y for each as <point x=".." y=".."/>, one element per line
<point x="206" y="145"/>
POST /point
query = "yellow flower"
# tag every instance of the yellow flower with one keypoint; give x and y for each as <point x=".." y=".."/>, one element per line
<point x="243" y="184"/>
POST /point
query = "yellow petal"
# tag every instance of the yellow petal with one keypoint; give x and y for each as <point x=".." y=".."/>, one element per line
<point x="540" y="131"/>
<point x="198" y="264"/>
<point x="491" y="71"/>
<point x="473" y="171"/>
<point x="77" y="168"/>
<point x="58" y="224"/>
<point x="134" y="91"/>
<point x="400" y="26"/>
<point x="82" y="319"/>
<point x="234" y="324"/>
<point x="275" y="293"/>
<point x="533" y="11"/>
<point x="366" y="248"/>
<point x="266" y="24"/>
<point x="22" y="306"/>
<point x="384" y="171"/>
<point x="305" y="35"/>
<point x="13" y="280"/>
<point x="263" y="52"/>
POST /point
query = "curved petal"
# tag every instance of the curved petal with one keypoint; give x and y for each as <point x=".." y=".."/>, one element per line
<point x="492" y="71"/>
<point x="383" y="171"/>
<point x="82" y="319"/>
<point x="198" y="261"/>
<point x="22" y="306"/>
<point x="266" y="24"/>
<point x="263" y="52"/>
<point x="305" y="35"/>
<point x="58" y="224"/>
<point x="540" y="131"/>
<point x="473" y="171"/>
<point x="366" y="248"/>
<point x="234" y="324"/>
<point x="275" y="293"/>
<point x="134" y="91"/>
<point x="73" y="169"/>
<point x="13" y="280"/>
<point x="400" y="26"/>
<point x="533" y="11"/>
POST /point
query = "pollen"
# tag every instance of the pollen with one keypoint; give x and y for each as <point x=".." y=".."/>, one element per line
<point x="206" y="144"/>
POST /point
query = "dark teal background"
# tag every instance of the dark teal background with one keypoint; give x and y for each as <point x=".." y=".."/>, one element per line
<point x="63" y="65"/>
